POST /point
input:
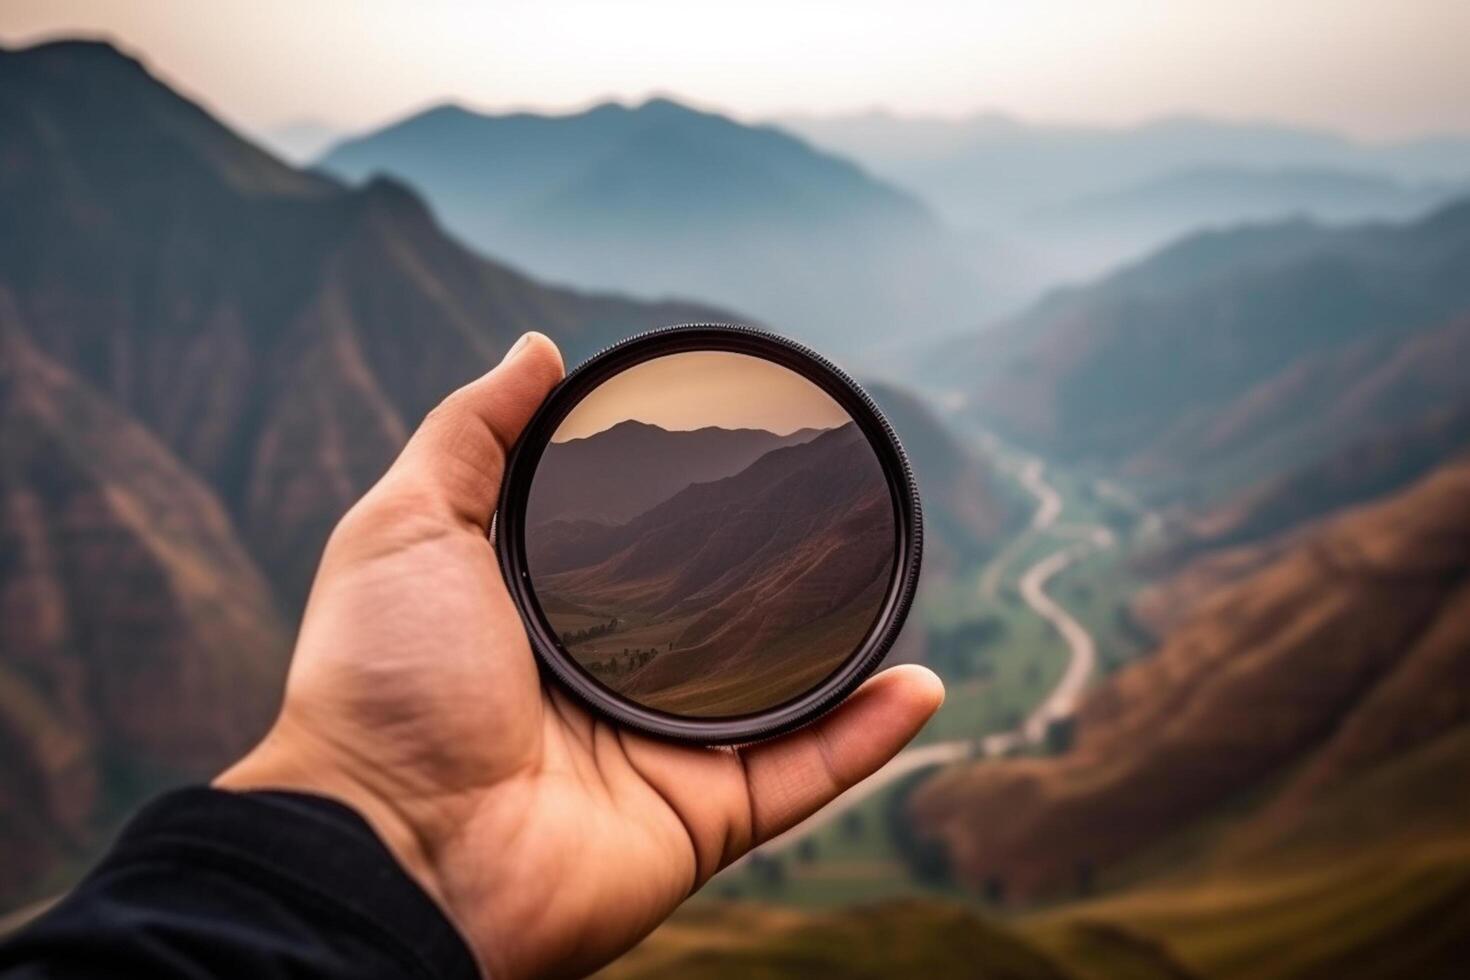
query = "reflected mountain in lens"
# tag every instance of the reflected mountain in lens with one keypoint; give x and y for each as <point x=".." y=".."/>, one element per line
<point x="732" y="595"/>
<point x="620" y="472"/>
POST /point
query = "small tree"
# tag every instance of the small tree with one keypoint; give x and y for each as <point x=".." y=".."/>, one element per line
<point x="1060" y="734"/>
<point x="768" y="869"/>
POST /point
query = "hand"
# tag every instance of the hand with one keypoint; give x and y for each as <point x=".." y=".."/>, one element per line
<point x="553" y="840"/>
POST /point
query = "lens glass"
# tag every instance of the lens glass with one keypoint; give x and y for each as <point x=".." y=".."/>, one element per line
<point x="710" y="534"/>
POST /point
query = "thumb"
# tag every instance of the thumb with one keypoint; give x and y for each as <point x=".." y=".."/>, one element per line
<point x="792" y="777"/>
<point x="458" y="453"/>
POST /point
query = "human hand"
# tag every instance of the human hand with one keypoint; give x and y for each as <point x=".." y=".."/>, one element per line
<point x="554" y="840"/>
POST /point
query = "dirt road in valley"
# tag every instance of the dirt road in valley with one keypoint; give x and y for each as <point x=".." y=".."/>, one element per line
<point x="1060" y="702"/>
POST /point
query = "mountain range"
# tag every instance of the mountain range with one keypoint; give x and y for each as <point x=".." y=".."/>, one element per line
<point x="208" y="356"/>
<point x="750" y="588"/>
<point x="1092" y="234"/>
<point x="1074" y="202"/>
<point x="614" y="475"/>
<point x="1232" y="356"/>
<point x="141" y="642"/>
<point x="661" y="199"/>
<point x="957" y="164"/>
<point x="279" y="331"/>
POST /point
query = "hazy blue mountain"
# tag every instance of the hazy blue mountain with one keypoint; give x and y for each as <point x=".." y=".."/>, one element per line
<point x="991" y="168"/>
<point x="662" y="199"/>
<point x="1079" y="200"/>
<point x="1232" y="355"/>
<point x="1097" y="230"/>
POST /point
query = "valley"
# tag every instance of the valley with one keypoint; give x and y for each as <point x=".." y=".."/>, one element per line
<point x="992" y="716"/>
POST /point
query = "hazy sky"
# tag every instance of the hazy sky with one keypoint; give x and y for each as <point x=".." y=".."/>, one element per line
<point x="1376" y="68"/>
<point x="700" y="388"/>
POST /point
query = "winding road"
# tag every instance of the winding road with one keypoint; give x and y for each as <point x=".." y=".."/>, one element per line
<point x="1060" y="702"/>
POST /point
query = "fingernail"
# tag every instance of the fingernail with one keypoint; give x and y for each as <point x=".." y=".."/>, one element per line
<point x="516" y="347"/>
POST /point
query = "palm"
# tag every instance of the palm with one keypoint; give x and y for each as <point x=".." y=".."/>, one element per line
<point x="555" y="840"/>
<point x="542" y="794"/>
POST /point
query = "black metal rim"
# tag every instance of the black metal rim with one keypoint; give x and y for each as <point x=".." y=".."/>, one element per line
<point x="508" y="531"/>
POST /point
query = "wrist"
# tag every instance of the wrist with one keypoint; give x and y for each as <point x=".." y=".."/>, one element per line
<point x="292" y="761"/>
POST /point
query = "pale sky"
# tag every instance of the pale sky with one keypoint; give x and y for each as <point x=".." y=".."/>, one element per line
<point x="692" y="390"/>
<point x="1373" y="68"/>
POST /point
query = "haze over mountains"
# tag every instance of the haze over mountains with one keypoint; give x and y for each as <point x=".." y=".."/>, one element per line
<point x="1234" y="355"/>
<point x="957" y="164"/>
<point x="747" y="589"/>
<point x="1093" y="232"/>
<point x="662" y="199"/>
<point x="1080" y="199"/>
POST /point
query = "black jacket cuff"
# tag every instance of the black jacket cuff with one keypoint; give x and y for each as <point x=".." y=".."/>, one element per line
<point x="306" y="850"/>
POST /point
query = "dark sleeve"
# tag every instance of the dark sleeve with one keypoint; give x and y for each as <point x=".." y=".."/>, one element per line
<point x="206" y="883"/>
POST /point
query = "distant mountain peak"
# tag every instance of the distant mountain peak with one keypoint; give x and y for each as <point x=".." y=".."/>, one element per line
<point x="630" y="426"/>
<point x="449" y="109"/>
<point x="667" y="105"/>
<point x="625" y="426"/>
<point x="76" y="47"/>
<point x="661" y="198"/>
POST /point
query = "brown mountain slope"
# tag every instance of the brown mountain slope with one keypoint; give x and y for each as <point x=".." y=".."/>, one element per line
<point x="280" y="332"/>
<point x="1347" y="649"/>
<point x="966" y="509"/>
<point x="1229" y="541"/>
<point x="760" y="583"/>
<point x="1326" y="402"/>
<point x="1233" y="355"/>
<point x="1379" y="464"/>
<point x="1371" y="881"/>
<point x="620" y="472"/>
<point x="221" y="349"/>
<point x="140" y="642"/>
